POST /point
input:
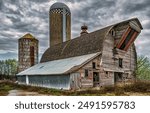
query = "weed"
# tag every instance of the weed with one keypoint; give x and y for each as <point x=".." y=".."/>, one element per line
<point x="137" y="87"/>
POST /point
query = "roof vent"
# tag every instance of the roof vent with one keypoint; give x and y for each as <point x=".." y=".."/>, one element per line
<point x="84" y="29"/>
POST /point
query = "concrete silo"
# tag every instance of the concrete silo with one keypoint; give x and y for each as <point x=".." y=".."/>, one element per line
<point x="28" y="52"/>
<point x="59" y="23"/>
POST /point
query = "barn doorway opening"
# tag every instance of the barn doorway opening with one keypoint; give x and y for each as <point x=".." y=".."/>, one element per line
<point x="95" y="79"/>
<point x="118" y="77"/>
<point x="32" y="55"/>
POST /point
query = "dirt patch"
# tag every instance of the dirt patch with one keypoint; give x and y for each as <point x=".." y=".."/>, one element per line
<point x="23" y="93"/>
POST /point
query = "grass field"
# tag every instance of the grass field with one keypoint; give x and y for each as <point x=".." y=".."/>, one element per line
<point x="135" y="89"/>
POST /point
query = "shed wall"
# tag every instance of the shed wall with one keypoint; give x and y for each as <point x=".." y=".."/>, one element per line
<point x="21" y="79"/>
<point x="87" y="81"/>
<point x="75" y="81"/>
<point x="49" y="81"/>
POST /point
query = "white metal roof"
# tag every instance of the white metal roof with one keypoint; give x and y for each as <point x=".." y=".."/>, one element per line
<point x="57" y="66"/>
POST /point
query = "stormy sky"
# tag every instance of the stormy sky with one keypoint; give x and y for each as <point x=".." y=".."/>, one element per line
<point x="18" y="17"/>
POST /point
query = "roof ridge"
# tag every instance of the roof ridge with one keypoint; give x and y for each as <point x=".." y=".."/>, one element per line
<point x="28" y="36"/>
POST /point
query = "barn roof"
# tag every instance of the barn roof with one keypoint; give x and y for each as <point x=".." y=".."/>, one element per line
<point x="82" y="45"/>
<point x="62" y="66"/>
<point x="28" y="36"/>
<point x="85" y="44"/>
<point x="59" y="5"/>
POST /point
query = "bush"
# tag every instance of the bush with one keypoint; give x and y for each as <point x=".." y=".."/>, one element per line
<point x="138" y="87"/>
<point x="119" y="91"/>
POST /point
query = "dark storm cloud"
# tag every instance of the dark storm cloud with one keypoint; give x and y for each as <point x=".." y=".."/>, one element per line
<point x="147" y="26"/>
<point x="88" y="13"/>
<point x="21" y="16"/>
<point x="40" y="1"/>
<point x="136" y="6"/>
<point x="1" y="5"/>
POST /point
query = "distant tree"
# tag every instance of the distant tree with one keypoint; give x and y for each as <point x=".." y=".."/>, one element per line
<point x="2" y="66"/>
<point x="143" y="68"/>
<point x="8" y="68"/>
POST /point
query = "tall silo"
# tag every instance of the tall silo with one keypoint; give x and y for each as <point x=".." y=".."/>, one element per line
<point x="28" y="52"/>
<point x="59" y="23"/>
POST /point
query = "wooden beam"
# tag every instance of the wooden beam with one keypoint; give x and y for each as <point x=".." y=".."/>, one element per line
<point x="131" y="40"/>
<point x="123" y="37"/>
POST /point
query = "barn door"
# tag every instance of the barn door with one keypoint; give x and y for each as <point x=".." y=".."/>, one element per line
<point x="95" y="79"/>
<point x="76" y="81"/>
<point x="118" y="77"/>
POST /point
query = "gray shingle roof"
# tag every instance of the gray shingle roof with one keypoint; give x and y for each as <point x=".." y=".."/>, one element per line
<point x="82" y="45"/>
<point x="85" y="44"/>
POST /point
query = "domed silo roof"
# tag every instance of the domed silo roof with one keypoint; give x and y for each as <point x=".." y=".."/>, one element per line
<point x="59" y="5"/>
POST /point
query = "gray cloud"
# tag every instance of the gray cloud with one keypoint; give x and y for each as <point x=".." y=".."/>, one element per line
<point x="135" y="6"/>
<point x="8" y="55"/>
<point x="21" y="16"/>
<point x="147" y="26"/>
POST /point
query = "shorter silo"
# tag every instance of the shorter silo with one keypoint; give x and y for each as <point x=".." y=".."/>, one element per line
<point x="28" y="52"/>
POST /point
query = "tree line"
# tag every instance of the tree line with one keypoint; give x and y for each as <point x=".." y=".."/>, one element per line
<point x="8" y="68"/>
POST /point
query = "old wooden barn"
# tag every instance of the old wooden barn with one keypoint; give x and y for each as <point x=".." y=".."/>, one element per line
<point x="100" y="58"/>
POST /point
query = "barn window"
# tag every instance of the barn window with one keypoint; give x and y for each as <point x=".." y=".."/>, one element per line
<point x="32" y="55"/>
<point x="94" y="65"/>
<point x="86" y="73"/>
<point x="96" y="77"/>
<point x="113" y="32"/>
<point x="127" y="39"/>
<point x="120" y="62"/>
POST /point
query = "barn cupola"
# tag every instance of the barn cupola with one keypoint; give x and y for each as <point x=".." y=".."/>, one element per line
<point x="84" y="29"/>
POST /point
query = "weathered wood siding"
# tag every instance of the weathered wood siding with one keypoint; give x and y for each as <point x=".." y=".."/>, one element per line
<point x="108" y="63"/>
<point x="88" y="81"/>
<point x="107" y="78"/>
<point x="119" y="30"/>
<point x="75" y="81"/>
<point x="129" y="56"/>
<point x="107" y="53"/>
<point x="111" y="65"/>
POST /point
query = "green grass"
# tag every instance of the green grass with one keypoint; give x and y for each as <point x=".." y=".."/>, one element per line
<point x="4" y="88"/>
<point x="142" y="88"/>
